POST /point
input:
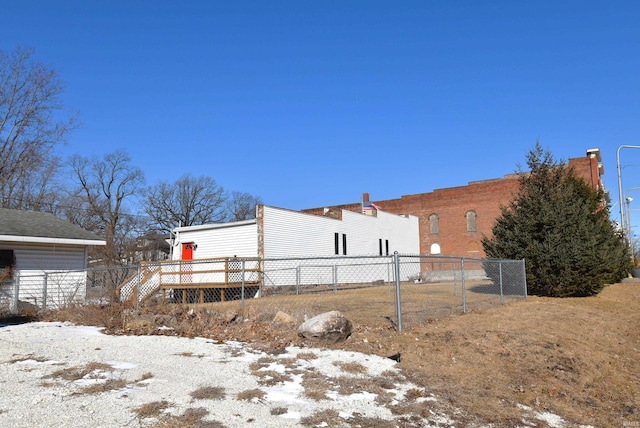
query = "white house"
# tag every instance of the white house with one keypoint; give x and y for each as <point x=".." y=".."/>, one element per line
<point x="279" y="247"/>
<point x="278" y="233"/>
<point x="43" y="257"/>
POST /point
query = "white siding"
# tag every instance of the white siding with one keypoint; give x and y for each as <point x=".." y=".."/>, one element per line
<point x="238" y="239"/>
<point x="219" y="240"/>
<point x="65" y="281"/>
<point x="293" y="234"/>
<point x="288" y="234"/>
<point x="38" y="259"/>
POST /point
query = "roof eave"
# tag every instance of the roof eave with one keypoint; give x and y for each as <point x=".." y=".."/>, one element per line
<point x="215" y="225"/>
<point x="44" y="240"/>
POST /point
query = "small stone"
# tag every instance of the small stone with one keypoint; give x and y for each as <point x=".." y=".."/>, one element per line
<point x="230" y="316"/>
<point x="283" y="318"/>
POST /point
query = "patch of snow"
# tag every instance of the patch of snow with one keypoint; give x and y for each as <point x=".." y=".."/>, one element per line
<point x="122" y="365"/>
<point x="177" y="366"/>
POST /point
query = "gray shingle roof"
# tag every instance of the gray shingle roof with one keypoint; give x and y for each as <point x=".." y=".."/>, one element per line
<point x="41" y="225"/>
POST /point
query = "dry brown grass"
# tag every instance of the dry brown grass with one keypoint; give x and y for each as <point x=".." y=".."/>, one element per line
<point x="145" y="376"/>
<point x="331" y="418"/>
<point x="352" y="367"/>
<point x="262" y="362"/>
<point x="576" y="357"/>
<point x="268" y="377"/>
<point x="316" y="386"/>
<point x="77" y="373"/>
<point x="109" y="316"/>
<point x="271" y="377"/>
<point x="327" y="417"/>
<point x="308" y="356"/>
<point x="279" y="411"/>
<point x="251" y="394"/>
<point x="190" y="354"/>
<point x="208" y="393"/>
<point x="96" y="371"/>
<point x="108" y="385"/>
<point x="157" y="410"/>
<point x="154" y="409"/>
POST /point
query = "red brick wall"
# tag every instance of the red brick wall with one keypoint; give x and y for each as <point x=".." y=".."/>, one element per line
<point x="452" y="204"/>
<point x="587" y="169"/>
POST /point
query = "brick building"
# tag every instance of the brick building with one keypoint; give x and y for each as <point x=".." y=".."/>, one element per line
<point x="454" y="220"/>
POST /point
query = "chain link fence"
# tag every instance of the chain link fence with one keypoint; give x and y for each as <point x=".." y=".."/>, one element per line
<point x="453" y="285"/>
<point x="56" y="290"/>
<point x="399" y="289"/>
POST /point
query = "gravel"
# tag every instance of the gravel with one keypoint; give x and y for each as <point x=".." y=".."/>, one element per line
<point x="37" y="388"/>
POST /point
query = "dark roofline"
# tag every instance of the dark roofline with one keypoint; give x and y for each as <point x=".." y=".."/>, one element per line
<point x="30" y="226"/>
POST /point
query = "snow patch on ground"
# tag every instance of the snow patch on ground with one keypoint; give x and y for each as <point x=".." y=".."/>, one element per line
<point x="169" y="369"/>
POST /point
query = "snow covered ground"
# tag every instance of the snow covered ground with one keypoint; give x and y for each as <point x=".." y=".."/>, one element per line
<point x="62" y="375"/>
<point x="38" y="388"/>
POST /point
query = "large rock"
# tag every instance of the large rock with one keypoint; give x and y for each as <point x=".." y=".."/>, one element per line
<point x="330" y="326"/>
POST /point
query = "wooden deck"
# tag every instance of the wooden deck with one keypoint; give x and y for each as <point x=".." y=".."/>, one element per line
<point x="206" y="292"/>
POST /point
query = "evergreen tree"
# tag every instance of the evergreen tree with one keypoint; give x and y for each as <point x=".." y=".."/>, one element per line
<point x="560" y="225"/>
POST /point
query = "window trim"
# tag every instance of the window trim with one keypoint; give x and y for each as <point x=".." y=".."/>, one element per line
<point x="434" y="230"/>
<point x="472" y="224"/>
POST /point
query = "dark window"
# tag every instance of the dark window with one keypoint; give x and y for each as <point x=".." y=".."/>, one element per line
<point x="337" y="242"/>
<point x="7" y="259"/>
<point x="387" y="246"/>
<point x="434" y="227"/>
<point x="344" y="244"/>
<point x="380" y="246"/>
<point x="471" y="221"/>
<point x="7" y="264"/>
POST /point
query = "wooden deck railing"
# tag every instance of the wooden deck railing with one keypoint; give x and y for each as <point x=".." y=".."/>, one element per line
<point x="196" y="281"/>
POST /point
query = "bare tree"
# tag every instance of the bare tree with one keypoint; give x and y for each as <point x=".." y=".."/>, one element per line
<point x="105" y="187"/>
<point x="32" y="124"/>
<point x="187" y="202"/>
<point x="242" y="206"/>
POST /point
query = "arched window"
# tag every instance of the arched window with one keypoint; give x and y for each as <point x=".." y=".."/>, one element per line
<point x="434" y="226"/>
<point x="473" y="247"/>
<point x="471" y="221"/>
<point x="435" y="249"/>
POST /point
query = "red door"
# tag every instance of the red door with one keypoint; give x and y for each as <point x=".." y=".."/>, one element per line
<point x="187" y="251"/>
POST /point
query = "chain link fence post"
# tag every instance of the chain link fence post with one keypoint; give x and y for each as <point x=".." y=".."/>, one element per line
<point x="501" y="290"/>
<point x="242" y="267"/>
<point x="45" y="286"/>
<point x="462" y="285"/>
<point x="137" y="288"/>
<point x="524" y="278"/>
<point x="396" y="263"/>
<point x="16" y="293"/>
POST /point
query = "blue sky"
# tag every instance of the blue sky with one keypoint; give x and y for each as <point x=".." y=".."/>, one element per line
<point x="308" y="104"/>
